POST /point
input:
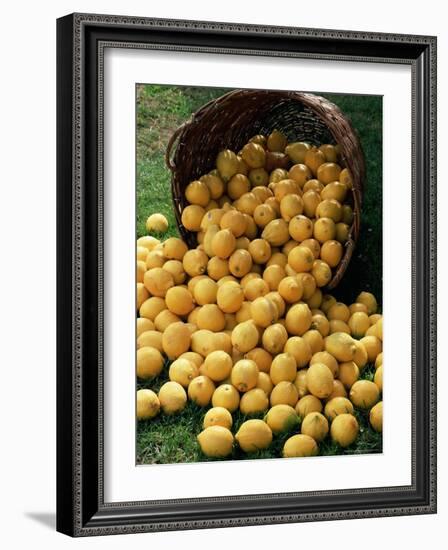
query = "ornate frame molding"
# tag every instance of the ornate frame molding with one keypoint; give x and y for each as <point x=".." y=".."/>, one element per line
<point x="81" y="509"/>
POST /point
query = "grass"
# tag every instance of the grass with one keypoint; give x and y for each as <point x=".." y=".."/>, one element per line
<point x="160" y="110"/>
<point x="172" y="439"/>
<point x="365" y="271"/>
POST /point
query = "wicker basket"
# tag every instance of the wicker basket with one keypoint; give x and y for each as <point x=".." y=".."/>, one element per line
<point x="229" y="121"/>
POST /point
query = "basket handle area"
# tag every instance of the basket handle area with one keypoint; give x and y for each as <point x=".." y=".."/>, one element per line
<point x="168" y="160"/>
<point x="194" y="118"/>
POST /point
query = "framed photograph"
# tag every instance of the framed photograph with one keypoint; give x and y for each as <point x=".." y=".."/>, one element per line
<point x="246" y="241"/>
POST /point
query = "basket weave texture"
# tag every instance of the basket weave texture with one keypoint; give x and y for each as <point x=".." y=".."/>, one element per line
<point x="229" y="121"/>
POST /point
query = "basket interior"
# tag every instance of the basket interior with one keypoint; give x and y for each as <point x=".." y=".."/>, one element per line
<point x="231" y="120"/>
<point x="296" y="121"/>
<point x="231" y="126"/>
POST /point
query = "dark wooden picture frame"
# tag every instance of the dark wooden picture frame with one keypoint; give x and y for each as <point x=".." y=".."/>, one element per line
<point x="81" y="40"/>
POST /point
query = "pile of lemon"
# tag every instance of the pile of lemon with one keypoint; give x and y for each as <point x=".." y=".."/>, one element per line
<point x="241" y="323"/>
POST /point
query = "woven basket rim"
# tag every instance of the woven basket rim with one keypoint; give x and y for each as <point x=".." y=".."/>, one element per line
<point x="335" y="121"/>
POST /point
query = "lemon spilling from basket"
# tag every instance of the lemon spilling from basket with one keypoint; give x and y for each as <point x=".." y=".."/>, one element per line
<point x="241" y="321"/>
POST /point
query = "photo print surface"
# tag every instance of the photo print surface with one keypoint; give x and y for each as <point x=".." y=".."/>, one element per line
<point x="259" y="274"/>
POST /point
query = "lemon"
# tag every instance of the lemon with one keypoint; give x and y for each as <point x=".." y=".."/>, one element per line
<point x="234" y="221"/>
<point x="276" y="232"/>
<point x="245" y="335"/>
<point x="205" y="291"/>
<point x="301" y="258"/>
<point x="300" y="445"/>
<point x="296" y="151"/>
<point x="218" y="365"/>
<point x="262" y="358"/>
<point x="229" y="297"/>
<point x="298" y="319"/>
<point x="148" y="404"/>
<point x="237" y="186"/>
<point x="265" y="383"/>
<point x="176" y="339"/>
<point x="200" y="390"/>
<point x="341" y="346"/>
<point x="307" y="404"/>
<point x="197" y="192"/>
<point x="148" y="242"/>
<point x="144" y="325"/>
<point x="283" y="368"/>
<point x="215" y="185"/>
<point x="337" y="405"/>
<point x="328" y="172"/>
<point x="315" y="425"/>
<point x="300" y="349"/>
<point x="284" y="393"/>
<point x="319" y="380"/>
<point x="216" y="441"/>
<point x="244" y="375"/>
<point x="338" y="312"/>
<point x="183" y="371"/>
<point x="290" y="289"/>
<point x="152" y="307"/>
<point x="210" y="317"/>
<point x="376" y="417"/>
<point x="373" y="346"/>
<point x="300" y="383"/>
<point x="364" y="394"/>
<point x="348" y="373"/>
<point x="172" y="397"/>
<point x="142" y="294"/>
<point x="378" y="378"/>
<point x="254" y="155"/>
<point x="254" y="401"/>
<point x="157" y="223"/>
<point x="176" y="268"/>
<point x="274" y="338"/>
<point x="254" y="435"/>
<point x="151" y="338"/>
<point x="276" y="141"/>
<point x="158" y="281"/>
<point x="227" y="164"/>
<point x="327" y="359"/>
<point x="263" y="312"/>
<point x="226" y="396"/>
<point x="344" y="429"/>
<point x="369" y="300"/>
<point x="149" y="362"/>
<point x="218" y="416"/>
<point x="273" y="275"/>
<point x="359" y="323"/>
